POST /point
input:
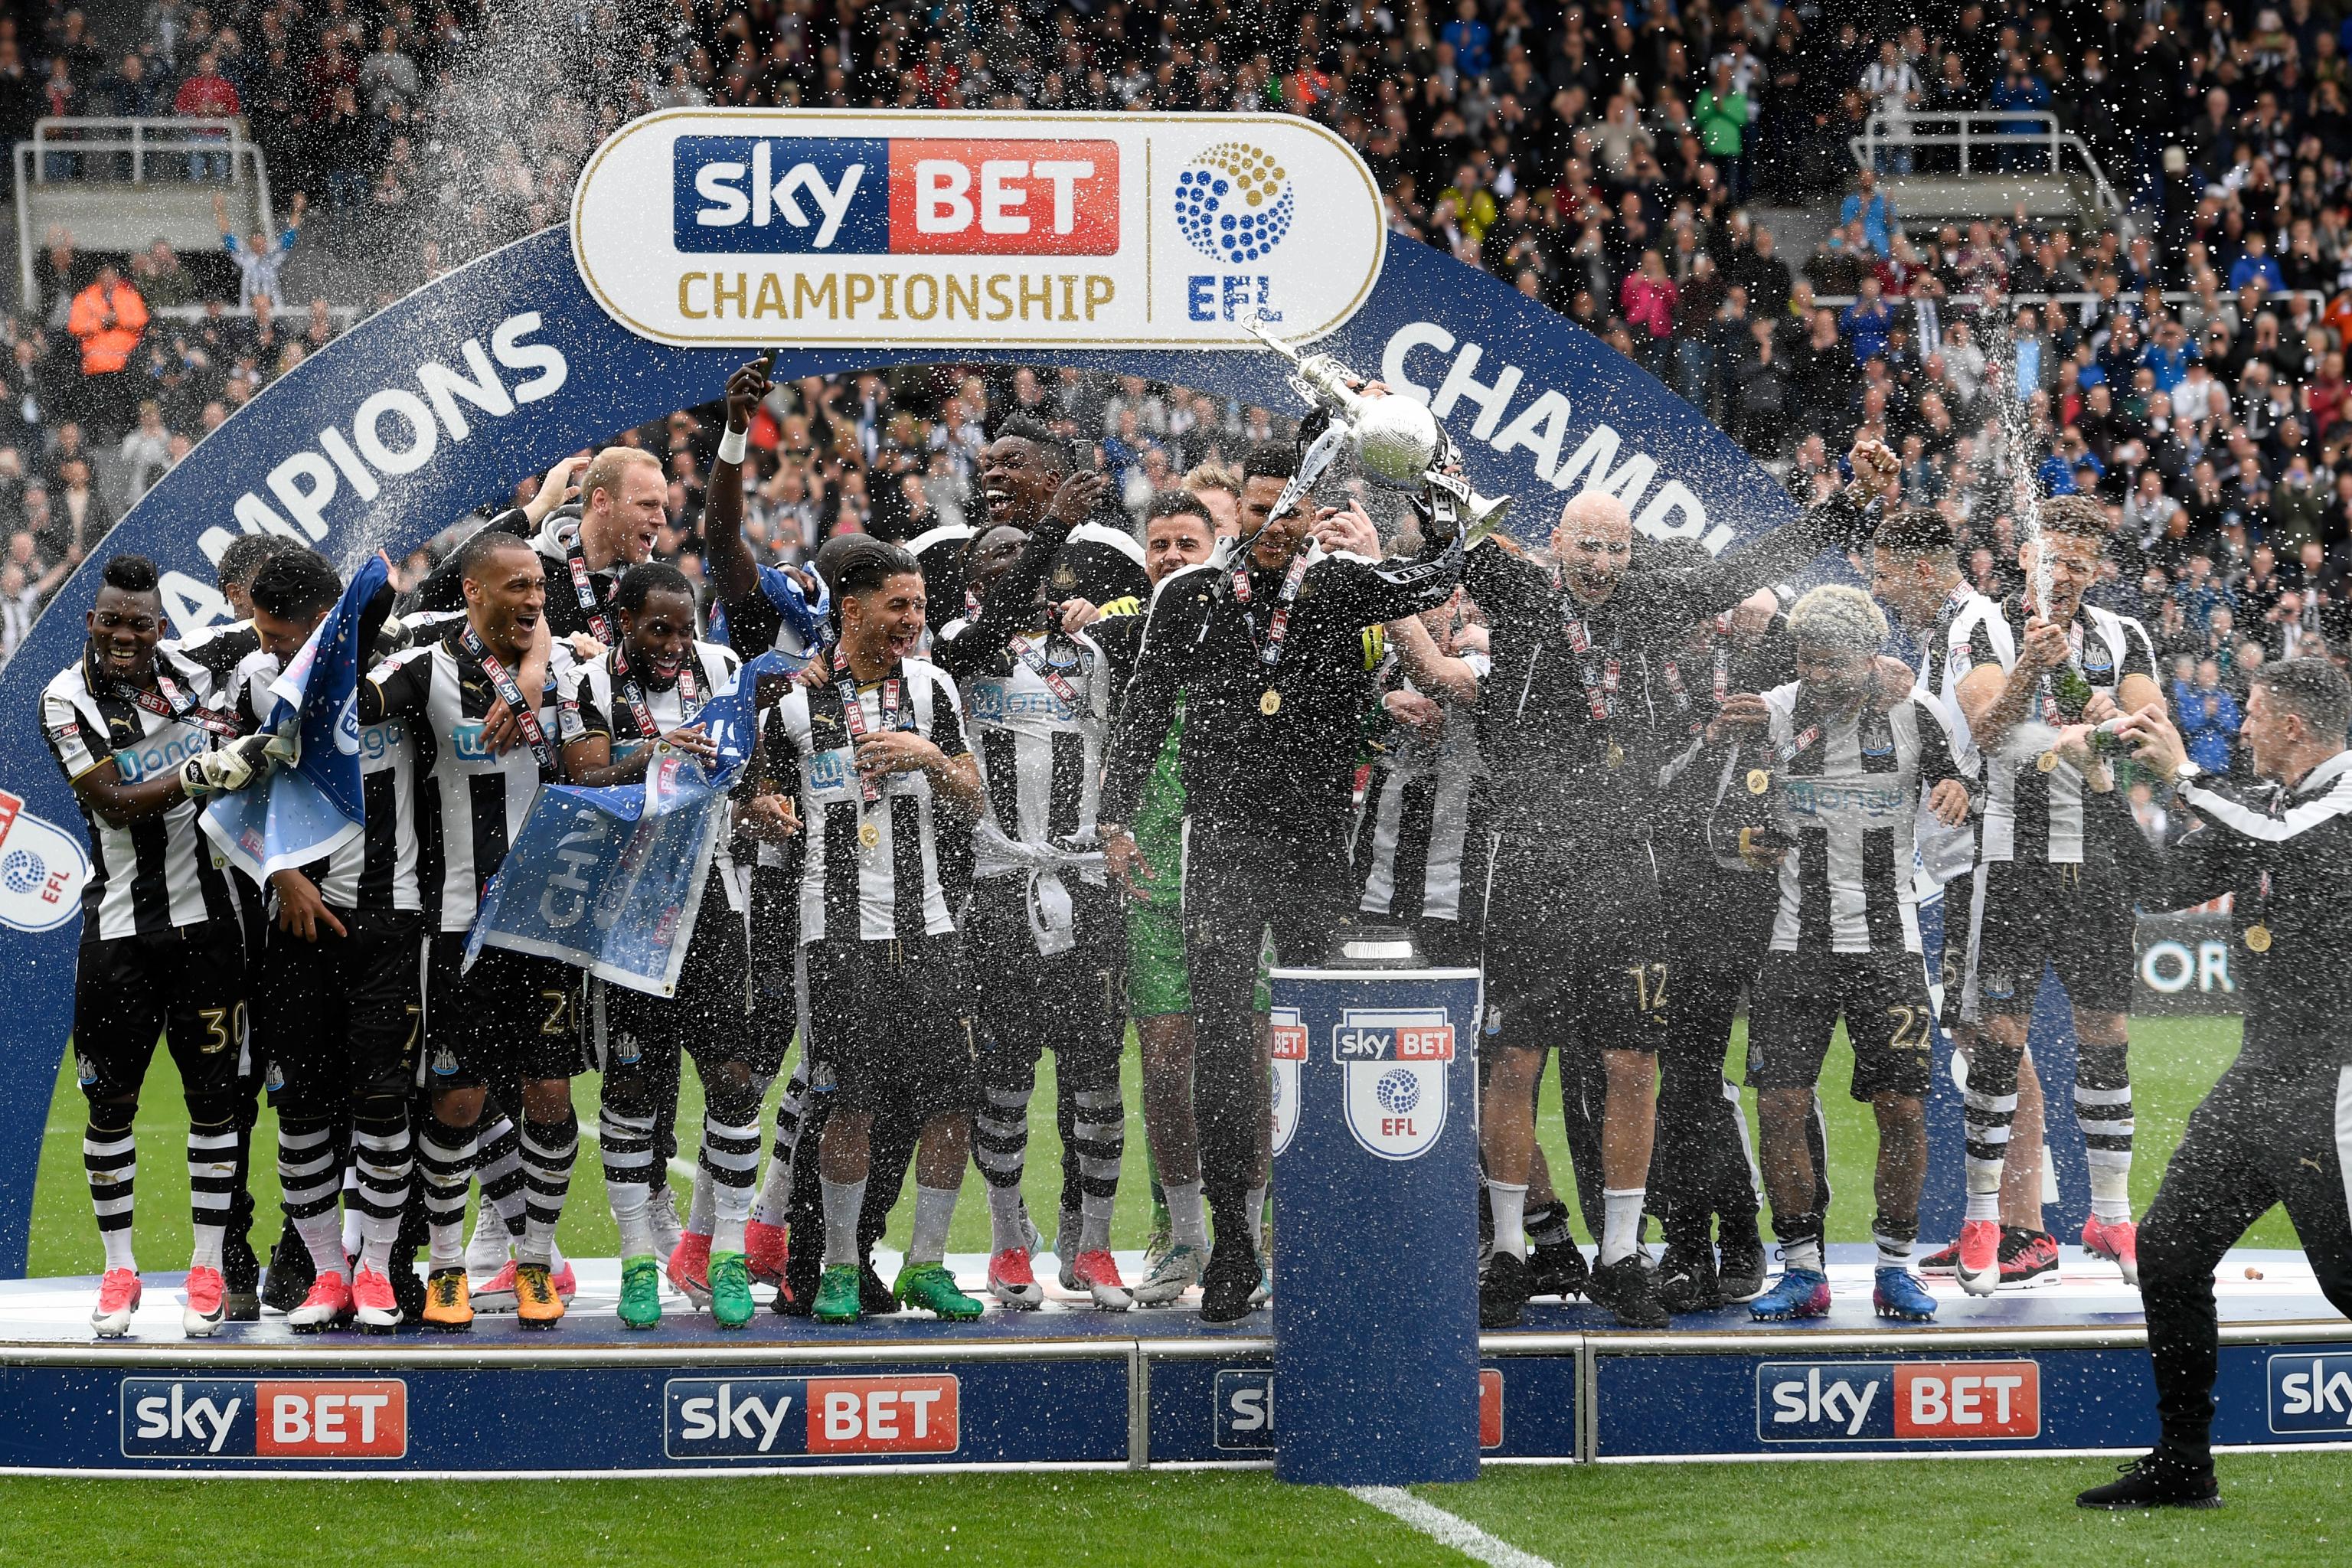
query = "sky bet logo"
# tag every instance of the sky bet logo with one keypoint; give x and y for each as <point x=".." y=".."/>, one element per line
<point x="1244" y="1409"/>
<point x="241" y="1418"/>
<point x="769" y="195"/>
<point x="2312" y="1394"/>
<point x="1873" y="1401"/>
<point x="798" y="1418"/>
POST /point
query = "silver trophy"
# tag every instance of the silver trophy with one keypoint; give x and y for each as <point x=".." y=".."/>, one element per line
<point x="1399" y="443"/>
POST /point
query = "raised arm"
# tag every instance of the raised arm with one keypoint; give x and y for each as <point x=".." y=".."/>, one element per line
<point x="1369" y="591"/>
<point x="733" y="572"/>
<point x="986" y="635"/>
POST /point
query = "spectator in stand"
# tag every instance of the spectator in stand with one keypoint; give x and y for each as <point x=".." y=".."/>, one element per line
<point x="390" y="76"/>
<point x="1868" y="205"/>
<point x="1646" y="299"/>
<point x="146" y="451"/>
<point x="2208" y="716"/>
<point x="109" y="317"/>
<point x="1867" y="323"/>
<point x="2257" y="266"/>
<point x="206" y="94"/>
<point x="258" y="259"/>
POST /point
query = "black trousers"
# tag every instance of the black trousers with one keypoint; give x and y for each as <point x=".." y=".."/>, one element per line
<point x="2277" y="1128"/>
<point x="1237" y="885"/>
<point x="1700" y="1166"/>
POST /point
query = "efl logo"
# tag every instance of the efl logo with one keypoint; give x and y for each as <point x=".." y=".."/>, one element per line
<point x="1244" y="1409"/>
<point x="2311" y="1394"/>
<point x="894" y="197"/>
<point x="796" y="1417"/>
<point x="1874" y="1402"/>
<point x="240" y="1418"/>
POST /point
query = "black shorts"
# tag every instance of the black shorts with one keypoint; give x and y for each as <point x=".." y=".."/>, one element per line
<point x="709" y="1019"/>
<point x="892" y="1022"/>
<point x="188" y="985"/>
<point x="514" y="1016"/>
<point x="1073" y="1004"/>
<point x="343" y="1016"/>
<point x="1882" y="997"/>
<point x="1574" y="949"/>
<point x="2076" y="918"/>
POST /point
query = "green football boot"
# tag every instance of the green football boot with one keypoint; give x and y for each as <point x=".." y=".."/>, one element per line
<point x="640" y="1305"/>
<point x="730" y="1289"/>
<point x="836" y="1296"/>
<point x="930" y="1287"/>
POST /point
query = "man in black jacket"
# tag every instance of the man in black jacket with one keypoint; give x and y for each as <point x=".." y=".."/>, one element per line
<point x="2278" y="1126"/>
<point x="1265" y="646"/>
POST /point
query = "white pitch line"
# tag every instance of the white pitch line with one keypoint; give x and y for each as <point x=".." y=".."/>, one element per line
<point x="678" y="1164"/>
<point x="1447" y="1529"/>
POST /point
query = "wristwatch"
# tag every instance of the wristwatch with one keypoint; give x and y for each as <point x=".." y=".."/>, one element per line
<point x="2187" y="774"/>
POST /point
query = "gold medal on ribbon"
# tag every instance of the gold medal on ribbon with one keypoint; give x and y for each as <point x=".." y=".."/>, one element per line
<point x="2047" y="762"/>
<point x="1271" y="703"/>
<point x="870" y="834"/>
<point x="1758" y="781"/>
<point x="1616" y="755"/>
<point x="2258" y="937"/>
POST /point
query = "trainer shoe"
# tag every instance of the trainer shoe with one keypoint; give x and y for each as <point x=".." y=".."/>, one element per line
<point x="1946" y="1260"/>
<point x="326" y="1306"/>
<point x="2028" y="1257"/>
<point x="1265" y="1291"/>
<point x="118" y="1298"/>
<point x="2117" y="1241"/>
<point x="207" y="1307"/>
<point x="1629" y="1290"/>
<point x="1687" y="1281"/>
<point x="1011" y="1281"/>
<point x="1178" y="1270"/>
<point x="1229" y="1281"/>
<point x="874" y="1297"/>
<point x="640" y="1303"/>
<point x="376" y="1307"/>
<point x="837" y="1295"/>
<point x="496" y="1295"/>
<point x="1503" y="1291"/>
<point x="2157" y="1480"/>
<point x="489" y="1248"/>
<point x="689" y="1268"/>
<point x="766" y="1250"/>
<point x="1097" y="1276"/>
<point x="1898" y="1294"/>
<point x="1559" y="1269"/>
<point x="407" y="1285"/>
<point x="1798" y="1293"/>
<point x="446" y="1306"/>
<point x="1978" y="1264"/>
<point x="288" y="1280"/>
<point x="730" y="1290"/>
<point x="240" y="1278"/>
<point x="1739" y="1270"/>
<point x="930" y="1287"/>
<point x="566" y="1282"/>
<point x="537" y="1305"/>
<point x="661" y="1213"/>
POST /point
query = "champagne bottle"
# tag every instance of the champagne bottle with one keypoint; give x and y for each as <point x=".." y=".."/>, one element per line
<point x="2071" y="689"/>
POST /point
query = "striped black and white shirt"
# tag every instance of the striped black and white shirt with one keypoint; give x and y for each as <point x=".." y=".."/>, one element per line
<point x="592" y="692"/>
<point x="150" y="877"/>
<point x="469" y="804"/>
<point x="1424" y="806"/>
<point x="852" y="889"/>
<point x="1847" y="801"/>
<point x="1945" y="658"/>
<point x="2030" y="815"/>
<point x="1040" y="757"/>
<point x="376" y="871"/>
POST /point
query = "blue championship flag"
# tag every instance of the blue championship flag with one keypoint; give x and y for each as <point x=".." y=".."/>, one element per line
<point x="314" y="806"/>
<point x="611" y="880"/>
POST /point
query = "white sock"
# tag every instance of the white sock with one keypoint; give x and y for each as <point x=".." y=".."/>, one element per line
<point x="1509" y="1206"/>
<point x="376" y="1240"/>
<point x="934" y="1208"/>
<point x="1188" y="1218"/>
<point x="211" y="1239"/>
<point x="354" y="1233"/>
<point x="118" y="1250"/>
<point x="1621" y="1228"/>
<point x="1254" y="1200"/>
<point x="842" y="1202"/>
<point x="775" y="1199"/>
<point x="1008" y="1228"/>
<point x="729" y="1208"/>
<point x="1803" y="1255"/>
<point x="1985" y="1205"/>
<point x="701" y="1209"/>
<point x="1094" y="1221"/>
<point x="323" y="1235"/>
<point x="2110" y="1187"/>
<point x="1892" y="1252"/>
<point x="636" y="1227"/>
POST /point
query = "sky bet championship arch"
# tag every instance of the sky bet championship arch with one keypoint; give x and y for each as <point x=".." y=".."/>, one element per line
<point x="1133" y="244"/>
